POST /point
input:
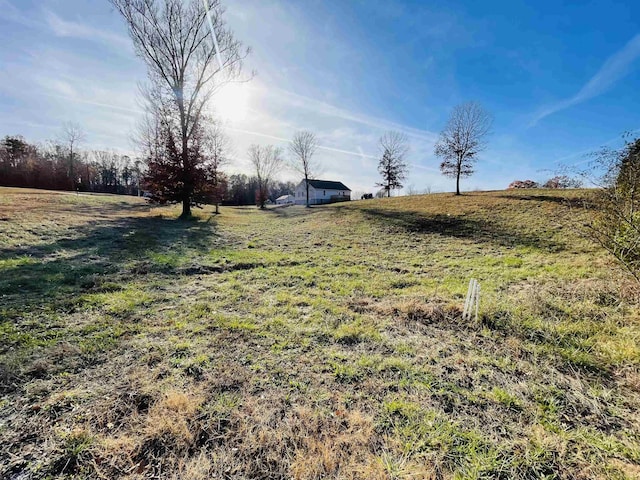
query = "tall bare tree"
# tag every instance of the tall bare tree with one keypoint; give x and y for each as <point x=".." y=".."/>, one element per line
<point x="221" y="149"/>
<point x="392" y="166"/>
<point x="266" y="160"/>
<point x="462" y="139"/>
<point x="302" y="148"/>
<point x="72" y="134"/>
<point x="176" y="44"/>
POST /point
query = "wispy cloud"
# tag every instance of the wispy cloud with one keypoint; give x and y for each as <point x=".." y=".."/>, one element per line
<point x="327" y="109"/>
<point x="286" y="140"/>
<point x="616" y="67"/>
<point x="424" y="167"/>
<point x="73" y="29"/>
<point x="62" y="27"/>
<point x="73" y="97"/>
<point x="584" y="153"/>
<point x="11" y="13"/>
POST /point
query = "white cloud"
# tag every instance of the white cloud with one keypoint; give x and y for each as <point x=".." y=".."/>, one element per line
<point x="615" y="68"/>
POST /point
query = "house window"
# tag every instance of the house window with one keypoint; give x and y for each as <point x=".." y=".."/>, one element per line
<point x="324" y="193"/>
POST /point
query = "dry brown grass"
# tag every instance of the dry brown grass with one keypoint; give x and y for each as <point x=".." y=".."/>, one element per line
<point x="167" y="426"/>
<point x="341" y="446"/>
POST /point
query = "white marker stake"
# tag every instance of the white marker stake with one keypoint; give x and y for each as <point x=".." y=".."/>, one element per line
<point x="472" y="299"/>
<point x="467" y="300"/>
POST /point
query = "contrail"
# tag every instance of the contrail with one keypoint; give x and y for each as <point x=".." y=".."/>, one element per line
<point x="213" y="34"/>
<point x="363" y="159"/>
<point x="266" y="135"/>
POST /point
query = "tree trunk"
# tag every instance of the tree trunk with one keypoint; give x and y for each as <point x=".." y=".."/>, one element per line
<point x="458" y="183"/>
<point x="186" y="167"/>
<point x="306" y="181"/>
<point x="71" y="174"/>
<point x="186" y="208"/>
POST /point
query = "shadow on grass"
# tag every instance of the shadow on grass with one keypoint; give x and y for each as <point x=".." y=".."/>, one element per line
<point x="113" y="249"/>
<point x="291" y="211"/>
<point x="460" y="227"/>
<point x="578" y="201"/>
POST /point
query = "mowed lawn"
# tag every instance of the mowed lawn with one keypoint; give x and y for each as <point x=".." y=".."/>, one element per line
<point x="313" y="343"/>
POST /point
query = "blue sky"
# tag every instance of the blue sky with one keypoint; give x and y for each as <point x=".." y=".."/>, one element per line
<point x="560" y="78"/>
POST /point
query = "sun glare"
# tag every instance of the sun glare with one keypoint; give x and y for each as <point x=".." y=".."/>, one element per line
<point x="231" y="102"/>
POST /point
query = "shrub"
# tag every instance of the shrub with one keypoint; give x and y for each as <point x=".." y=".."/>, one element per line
<point x="614" y="216"/>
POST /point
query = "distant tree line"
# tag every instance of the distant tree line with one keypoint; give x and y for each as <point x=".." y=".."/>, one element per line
<point x="51" y="166"/>
<point x="242" y="190"/>
<point x="56" y="166"/>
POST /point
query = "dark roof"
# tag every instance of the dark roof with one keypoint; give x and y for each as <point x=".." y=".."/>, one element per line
<point x="328" y="185"/>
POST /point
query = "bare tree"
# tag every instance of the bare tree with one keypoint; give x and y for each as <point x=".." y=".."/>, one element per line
<point x="176" y="43"/>
<point x="302" y="148"/>
<point x="71" y="135"/>
<point x="463" y="138"/>
<point x="221" y="148"/>
<point x="266" y="161"/>
<point x="137" y="170"/>
<point x="411" y="191"/>
<point x="392" y="166"/>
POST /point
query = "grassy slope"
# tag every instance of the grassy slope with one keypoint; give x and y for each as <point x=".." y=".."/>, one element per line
<point x="313" y="343"/>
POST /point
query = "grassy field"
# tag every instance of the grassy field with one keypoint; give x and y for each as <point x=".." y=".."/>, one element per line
<point x="313" y="343"/>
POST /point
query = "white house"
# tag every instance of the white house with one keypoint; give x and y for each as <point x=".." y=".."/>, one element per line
<point x="285" y="200"/>
<point x="322" y="191"/>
